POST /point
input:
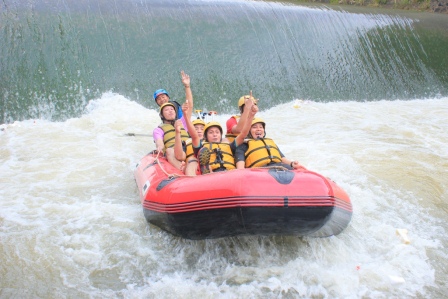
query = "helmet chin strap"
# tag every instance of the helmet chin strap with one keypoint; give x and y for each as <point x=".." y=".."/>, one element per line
<point x="171" y="122"/>
<point x="258" y="137"/>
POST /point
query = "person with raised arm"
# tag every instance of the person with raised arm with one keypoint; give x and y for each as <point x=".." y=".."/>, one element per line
<point x="164" y="135"/>
<point x="235" y="123"/>
<point x="161" y="95"/>
<point x="184" y="149"/>
<point x="215" y="153"/>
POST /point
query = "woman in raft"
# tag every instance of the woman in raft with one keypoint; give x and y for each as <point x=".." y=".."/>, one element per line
<point x="259" y="151"/>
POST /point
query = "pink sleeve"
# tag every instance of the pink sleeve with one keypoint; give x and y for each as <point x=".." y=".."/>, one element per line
<point x="184" y="123"/>
<point x="157" y="134"/>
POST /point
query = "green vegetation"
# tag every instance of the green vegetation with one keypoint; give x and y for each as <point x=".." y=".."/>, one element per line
<point x="420" y="5"/>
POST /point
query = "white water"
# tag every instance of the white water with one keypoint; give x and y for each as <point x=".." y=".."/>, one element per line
<point x="71" y="224"/>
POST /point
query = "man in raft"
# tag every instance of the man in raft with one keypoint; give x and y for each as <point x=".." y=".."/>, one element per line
<point x="161" y="95"/>
<point x="235" y="123"/>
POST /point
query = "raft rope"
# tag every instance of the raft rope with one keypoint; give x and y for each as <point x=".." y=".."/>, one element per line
<point x="278" y="168"/>
<point x="169" y="175"/>
<point x="174" y="175"/>
<point x="219" y="157"/>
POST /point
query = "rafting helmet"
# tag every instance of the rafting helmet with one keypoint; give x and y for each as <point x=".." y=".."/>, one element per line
<point x="241" y="102"/>
<point x="243" y="98"/>
<point x="159" y="92"/>
<point x="257" y="120"/>
<point x="198" y="122"/>
<point x="209" y="125"/>
<point x="163" y="106"/>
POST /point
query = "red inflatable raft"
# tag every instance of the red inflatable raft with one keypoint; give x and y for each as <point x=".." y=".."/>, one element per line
<point x="256" y="201"/>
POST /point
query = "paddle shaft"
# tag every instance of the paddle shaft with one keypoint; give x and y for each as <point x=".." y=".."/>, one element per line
<point x="138" y="135"/>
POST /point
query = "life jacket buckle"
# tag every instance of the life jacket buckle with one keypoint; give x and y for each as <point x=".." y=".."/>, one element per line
<point x="219" y="157"/>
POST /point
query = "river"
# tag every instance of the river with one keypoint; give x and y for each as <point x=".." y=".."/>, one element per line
<point x="359" y="96"/>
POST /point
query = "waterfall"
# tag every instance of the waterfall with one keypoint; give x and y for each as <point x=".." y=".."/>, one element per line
<point x="54" y="58"/>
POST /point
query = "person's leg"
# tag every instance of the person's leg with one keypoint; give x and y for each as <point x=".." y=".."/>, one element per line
<point x="169" y="153"/>
<point x="192" y="166"/>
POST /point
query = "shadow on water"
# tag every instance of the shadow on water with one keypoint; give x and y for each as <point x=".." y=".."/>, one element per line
<point x="56" y="57"/>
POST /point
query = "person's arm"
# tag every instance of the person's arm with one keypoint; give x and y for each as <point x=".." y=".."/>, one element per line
<point x="179" y="153"/>
<point x="160" y="145"/>
<point x="188" y="93"/>
<point x="186" y="108"/>
<point x="251" y="111"/>
<point x="158" y="135"/>
<point x="242" y="121"/>
<point x="294" y="164"/>
<point x="240" y="153"/>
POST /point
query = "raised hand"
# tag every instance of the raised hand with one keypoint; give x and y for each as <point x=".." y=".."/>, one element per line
<point x="253" y="110"/>
<point x="178" y="125"/>
<point x="185" y="79"/>
<point x="248" y="102"/>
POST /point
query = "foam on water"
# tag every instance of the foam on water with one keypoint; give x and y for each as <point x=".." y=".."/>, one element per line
<point x="71" y="223"/>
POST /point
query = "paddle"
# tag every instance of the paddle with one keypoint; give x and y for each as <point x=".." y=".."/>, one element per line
<point x="138" y="135"/>
<point x="198" y="112"/>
